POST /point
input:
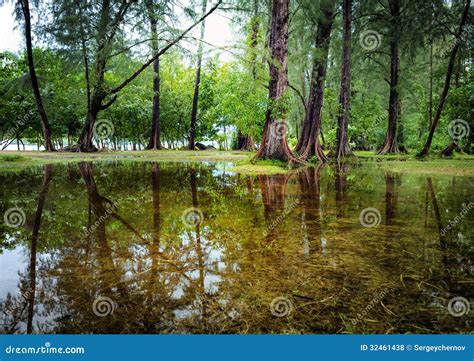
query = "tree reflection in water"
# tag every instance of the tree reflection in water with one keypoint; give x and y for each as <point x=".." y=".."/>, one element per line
<point x="116" y="231"/>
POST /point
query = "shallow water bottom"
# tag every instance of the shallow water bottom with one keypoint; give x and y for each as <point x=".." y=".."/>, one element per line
<point x="143" y="247"/>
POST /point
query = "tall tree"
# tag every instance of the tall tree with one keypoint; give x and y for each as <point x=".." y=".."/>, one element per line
<point x="308" y="142"/>
<point x="194" y="111"/>
<point x="102" y="96"/>
<point x="274" y="144"/>
<point x="390" y="144"/>
<point x="48" y="144"/>
<point x="154" y="142"/>
<point x="342" y="138"/>
<point x="108" y="26"/>
<point x="246" y="141"/>
<point x="449" y="72"/>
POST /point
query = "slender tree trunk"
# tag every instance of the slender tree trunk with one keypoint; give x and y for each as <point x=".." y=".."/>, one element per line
<point x="154" y="142"/>
<point x="310" y="181"/>
<point x="341" y="185"/>
<point x="390" y="144"/>
<point x="194" y="111"/>
<point x="245" y="141"/>
<point x="442" y="99"/>
<point x="342" y="138"/>
<point x="156" y="188"/>
<point x="106" y="33"/>
<point x="309" y="144"/>
<point x="390" y="199"/>
<point x="98" y="93"/>
<point x="274" y="144"/>
<point x="25" y="6"/>
<point x="47" y="176"/>
<point x="430" y="102"/>
<point x="84" y="54"/>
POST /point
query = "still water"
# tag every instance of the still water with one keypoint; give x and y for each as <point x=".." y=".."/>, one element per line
<point x="137" y="247"/>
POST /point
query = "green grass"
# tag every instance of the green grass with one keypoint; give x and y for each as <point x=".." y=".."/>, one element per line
<point x="11" y="158"/>
<point x="459" y="165"/>
<point x="14" y="160"/>
<point x="266" y="166"/>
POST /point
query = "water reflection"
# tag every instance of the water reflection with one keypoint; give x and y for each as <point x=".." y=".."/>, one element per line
<point x="115" y="231"/>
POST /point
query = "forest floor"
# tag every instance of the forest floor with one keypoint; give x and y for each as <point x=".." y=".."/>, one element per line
<point x="460" y="165"/>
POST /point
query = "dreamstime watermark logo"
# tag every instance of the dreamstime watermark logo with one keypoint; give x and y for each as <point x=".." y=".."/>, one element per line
<point x="458" y="306"/>
<point x="458" y="218"/>
<point x="376" y="299"/>
<point x="279" y="129"/>
<point x="103" y="129"/>
<point x="109" y="209"/>
<point x="370" y="40"/>
<point x="46" y="349"/>
<point x="370" y="217"/>
<point x="192" y="217"/>
<point x="103" y="306"/>
<point x="281" y="307"/>
<point x="458" y="129"/>
<point x="281" y="217"/>
<point x="12" y="132"/>
<point x="458" y="40"/>
<point x="14" y="217"/>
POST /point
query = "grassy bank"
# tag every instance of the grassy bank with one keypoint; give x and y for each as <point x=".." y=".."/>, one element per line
<point x="16" y="160"/>
<point x="460" y="165"/>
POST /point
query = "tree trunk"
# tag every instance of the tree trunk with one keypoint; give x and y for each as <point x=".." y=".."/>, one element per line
<point x="310" y="181"/>
<point x="342" y="138"/>
<point x="430" y="101"/>
<point x="448" y="151"/>
<point x="106" y="33"/>
<point x="98" y="93"/>
<point x="85" y="140"/>
<point x="25" y="6"/>
<point x="84" y="54"/>
<point x="154" y="142"/>
<point x="308" y="143"/>
<point x="449" y="73"/>
<point x="274" y="144"/>
<point x="156" y="188"/>
<point x="192" y="129"/>
<point x="47" y="176"/>
<point x="245" y="142"/>
<point x="390" y="144"/>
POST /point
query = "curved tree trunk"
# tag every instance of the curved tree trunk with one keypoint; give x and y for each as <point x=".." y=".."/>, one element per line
<point x="274" y="144"/>
<point x="107" y="28"/>
<point x="342" y="138"/>
<point x="48" y="144"/>
<point x="308" y="143"/>
<point x="448" y="151"/>
<point x="154" y="142"/>
<point x="98" y="93"/>
<point x="192" y="129"/>
<point x="447" y="82"/>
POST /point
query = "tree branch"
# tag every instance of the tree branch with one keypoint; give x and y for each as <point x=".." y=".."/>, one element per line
<point x="109" y="103"/>
<point x="162" y="51"/>
<point x="300" y="96"/>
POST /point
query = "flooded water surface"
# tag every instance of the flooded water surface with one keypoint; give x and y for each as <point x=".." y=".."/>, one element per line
<point x="137" y="247"/>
